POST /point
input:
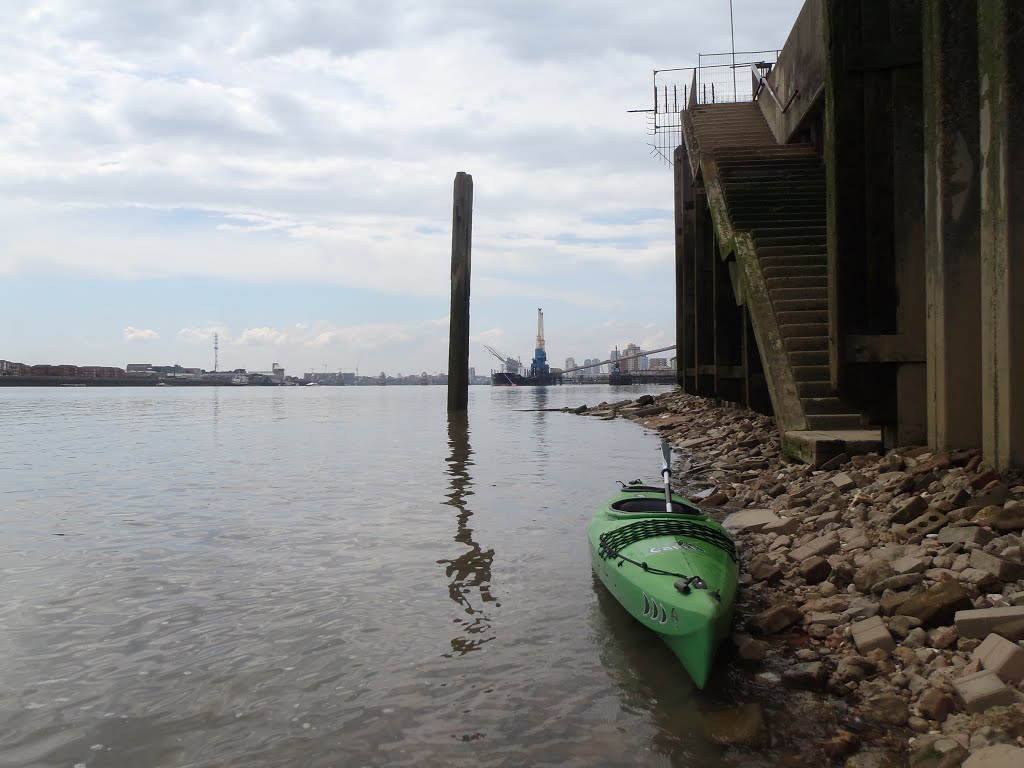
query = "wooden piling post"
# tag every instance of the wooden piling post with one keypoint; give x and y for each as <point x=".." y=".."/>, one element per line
<point x="458" y="328"/>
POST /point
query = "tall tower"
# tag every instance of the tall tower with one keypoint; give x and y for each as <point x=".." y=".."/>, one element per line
<point x="216" y="349"/>
<point x="539" y="367"/>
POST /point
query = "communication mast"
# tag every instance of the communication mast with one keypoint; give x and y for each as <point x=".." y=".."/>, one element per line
<point x="216" y="349"/>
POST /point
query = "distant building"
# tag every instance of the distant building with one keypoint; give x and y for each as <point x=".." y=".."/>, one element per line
<point x="659" y="363"/>
<point x="570" y="362"/>
<point x="138" y="367"/>
<point x="633" y="364"/>
<point x="7" y="368"/>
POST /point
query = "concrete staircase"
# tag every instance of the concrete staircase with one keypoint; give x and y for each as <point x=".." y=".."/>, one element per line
<point x="775" y="195"/>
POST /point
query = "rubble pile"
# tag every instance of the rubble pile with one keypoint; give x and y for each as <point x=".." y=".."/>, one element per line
<point x="894" y="583"/>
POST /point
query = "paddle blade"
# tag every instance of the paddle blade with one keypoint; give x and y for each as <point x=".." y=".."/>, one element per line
<point x="666" y="453"/>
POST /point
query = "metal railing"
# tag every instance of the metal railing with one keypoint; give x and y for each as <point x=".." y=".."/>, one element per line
<point x="713" y="81"/>
<point x="760" y="77"/>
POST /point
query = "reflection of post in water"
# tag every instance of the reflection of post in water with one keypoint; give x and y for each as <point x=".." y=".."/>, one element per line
<point x="470" y="572"/>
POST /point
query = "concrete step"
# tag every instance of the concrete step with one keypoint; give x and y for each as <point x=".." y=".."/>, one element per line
<point x="804" y="329"/>
<point x="827" y="404"/>
<point x="793" y="260"/>
<point x="749" y="220"/>
<point x="790" y="250"/>
<point x="783" y="294"/>
<point x="802" y="317"/>
<point x="799" y="305"/>
<point x="824" y="421"/>
<point x="768" y="232"/>
<point x="811" y="281"/>
<point x="762" y="241"/>
<point x="809" y="343"/>
<point x="814" y="389"/>
<point x="809" y="357"/>
<point x="795" y="270"/>
<point x="810" y="373"/>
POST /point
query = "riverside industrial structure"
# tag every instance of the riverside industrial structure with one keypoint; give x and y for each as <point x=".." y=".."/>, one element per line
<point x="847" y="248"/>
<point x="147" y="374"/>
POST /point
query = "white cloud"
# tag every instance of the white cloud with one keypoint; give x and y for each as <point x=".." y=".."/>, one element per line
<point x="132" y="333"/>
<point x="204" y="334"/>
<point x="262" y="337"/>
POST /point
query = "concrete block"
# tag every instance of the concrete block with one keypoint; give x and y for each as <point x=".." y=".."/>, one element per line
<point x="1000" y="567"/>
<point x="999" y="655"/>
<point x="819" y="547"/>
<point x="843" y="482"/>
<point x="784" y="527"/>
<point x="870" y="634"/>
<point x="996" y="756"/>
<point x="930" y="522"/>
<point x="981" y="622"/>
<point x="981" y="690"/>
<point x="969" y="534"/>
<point x="910" y="564"/>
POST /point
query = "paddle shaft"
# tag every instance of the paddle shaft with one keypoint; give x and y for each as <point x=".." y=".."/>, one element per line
<point x="666" y="460"/>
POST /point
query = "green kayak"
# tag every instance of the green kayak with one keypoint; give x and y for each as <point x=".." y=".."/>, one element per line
<point x="674" y="572"/>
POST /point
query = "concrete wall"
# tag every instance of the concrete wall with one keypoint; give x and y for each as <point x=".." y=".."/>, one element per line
<point x="801" y="68"/>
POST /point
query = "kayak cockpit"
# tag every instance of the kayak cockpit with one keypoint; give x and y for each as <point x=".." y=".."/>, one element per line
<point x="646" y="505"/>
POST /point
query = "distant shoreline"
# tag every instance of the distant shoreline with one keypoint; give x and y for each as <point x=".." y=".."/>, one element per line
<point x="130" y="381"/>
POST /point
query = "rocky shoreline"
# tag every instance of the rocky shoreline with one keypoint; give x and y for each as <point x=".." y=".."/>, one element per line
<point x="890" y="588"/>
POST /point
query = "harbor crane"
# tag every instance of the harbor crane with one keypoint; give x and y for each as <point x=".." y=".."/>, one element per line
<point x="511" y="364"/>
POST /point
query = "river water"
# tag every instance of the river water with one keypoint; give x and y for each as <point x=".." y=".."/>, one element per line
<point x="323" y="577"/>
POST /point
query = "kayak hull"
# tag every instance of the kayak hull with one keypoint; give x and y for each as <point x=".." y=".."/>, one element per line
<point x="675" y="573"/>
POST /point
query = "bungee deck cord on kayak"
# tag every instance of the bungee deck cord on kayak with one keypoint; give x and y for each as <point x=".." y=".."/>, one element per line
<point x="613" y="542"/>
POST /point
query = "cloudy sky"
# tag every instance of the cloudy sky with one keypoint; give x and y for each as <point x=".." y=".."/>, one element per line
<point x="281" y="173"/>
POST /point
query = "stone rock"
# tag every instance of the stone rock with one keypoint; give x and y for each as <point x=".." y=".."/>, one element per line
<point x="766" y="572"/>
<point x="900" y="626"/>
<point x="749" y="648"/>
<point x="785" y="526"/>
<point x="810" y="676"/>
<point x="886" y="708"/>
<point x="898" y="583"/>
<point x="987" y="736"/>
<point x="742" y="726"/>
<point x="936" y="750"/>
<point x="979" y="578"/>
<point x="818" y="547"/>
<point x="998" y="756"/>
<point x="876" y="758"/>
<point x="937" y="606"/>
<point x="942" y="637"/>
<point x="842" y="744"/>
<point x="936" y="705"/>
<point x="861" y="609"/>
<point x="777" y="618"/>
<point x="891" y="601"/>
<point x="872" y="573"/>
<point x="828" y="619"/>
<point x="854" y="668"/>
<point x="645" y="400"/>
<point x="1001" y="568"/>
<point x="750" y="520"/>
<point x="910" y="564"/>
<point x="815" y="570"/>
<point x="1006" y="518"/>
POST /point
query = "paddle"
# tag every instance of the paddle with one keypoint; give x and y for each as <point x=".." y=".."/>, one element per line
<point x="666" y="461"/>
